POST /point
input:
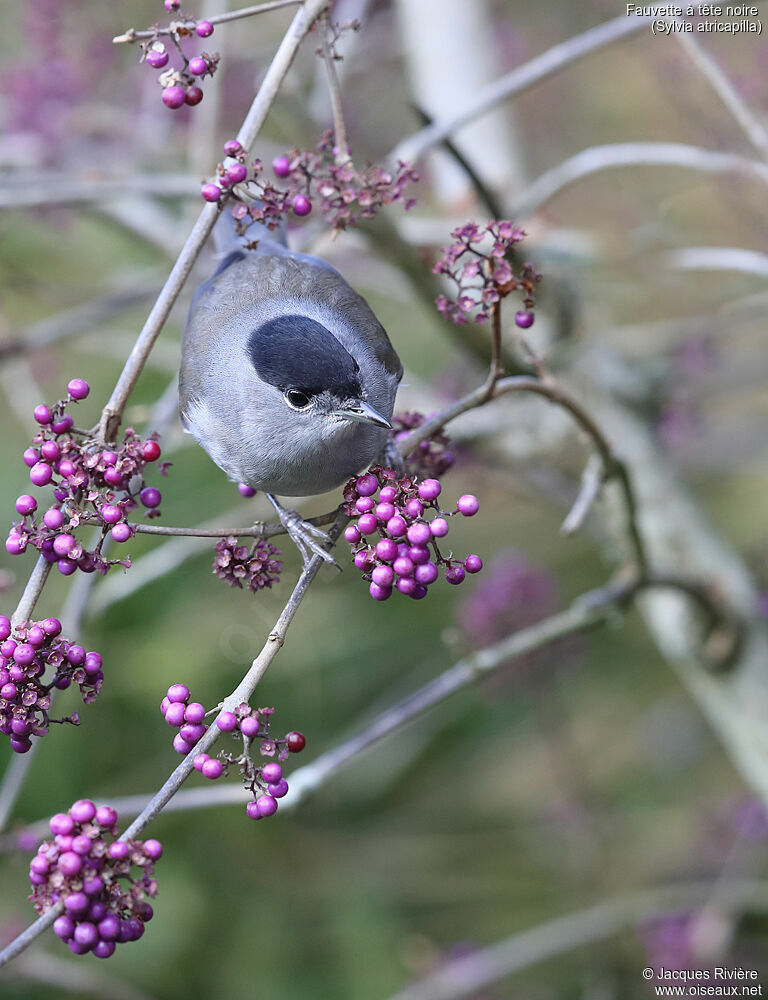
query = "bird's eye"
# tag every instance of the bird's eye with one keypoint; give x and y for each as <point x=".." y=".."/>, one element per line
<point x="297" y="399"/>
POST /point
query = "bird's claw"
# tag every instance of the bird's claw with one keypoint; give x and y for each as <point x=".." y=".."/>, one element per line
<point x="307" y="537"/>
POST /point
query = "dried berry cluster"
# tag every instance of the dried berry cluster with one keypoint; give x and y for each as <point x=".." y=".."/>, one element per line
<point x="265" y="781"/>
<point x="90" y="872"/>
<point x="432" y="457"/>
<point x="35" y="660"/>
<point x="477" y="263"/>
<point x="345" y="193"/>
<point x="394" y="545"/>
<point x="256" y="566"/>
<point x="90" y="484"/>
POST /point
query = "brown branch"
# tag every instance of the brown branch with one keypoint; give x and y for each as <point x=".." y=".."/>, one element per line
<point x="132" y="35"/>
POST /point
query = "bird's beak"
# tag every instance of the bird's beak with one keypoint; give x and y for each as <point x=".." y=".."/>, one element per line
<point x="364" y="413"/>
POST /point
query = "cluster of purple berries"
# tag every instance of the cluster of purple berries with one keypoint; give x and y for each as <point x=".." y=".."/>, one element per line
<point x="345" y="193"/>
<point x="89" y="484"/>
<point x="433" y="457"/>
<point x="88" y="872"/>
<point x="484" y="276"/>
<point x="394" y="545"/>
<point x="264" y="781"/>
<point x="33" y="661"/>
<point x="180" y="84"/>
<point x="256" y="566"/>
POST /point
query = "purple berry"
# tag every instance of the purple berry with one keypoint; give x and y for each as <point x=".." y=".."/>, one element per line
<point x="204" y="29"/>
<point x="64" y="927"/>
<point x="23" y="654"/>
<point x="379" y="593"/>
<point x="66" y="567"/>
<point x="50" y="451"/>
<point x="199" y="760"/>
<point x="180" y="745"/>
<point x="42" y="414"/>
<point x="387" y="494"/>
<point x="386" y="549"/>
<point x="61" y="824"/>
<point x="438" y="527"/>
<point x="83" y="811"/>
<point x="473" y="564"/>
<point x="301" y="205"/>
<point x="198" y="66"/>
<point x="110" y="513"/>
<point x="76" y="902"/>
<point x="403" y="566"/>
<point x="367" y="523"/>
<point x="352" y="535"/>
<point x="51" y="626"/>
<point x="281" y="166"/>
<point x="191" y="733"/>
<point x="153" y="849"/>
<point x="245" y="490"/>
<point x="211" y="192"/>
<point x="383" y="576"/>
<point x="365" y="504"/>
<point x="31" y="457"/>
<point x="252" y="810"/>
<point x="63" y="424"/>
<point x="157" y="59"/>
<point x="419" y="533"/>
<point x="106" y="816"/>
<point x="178" y="692"/>
<point x="194" y="713"/>
<point x="212" y="769"/>
<point x="366" y="485"/>
<point x="418" y="555"/>
<point x="174" y="97"/>
<point x="26" y="504"/>
<point x="109" y="927"/>
<point x="426" y="574"/>
<point x="362" y="560"/>
<point x="103" y="949"/>
<point x="226" y="722"/>
<point x="430" y="489"/>
<point x="118" y="850"/>
<point x="396" y="526"/>
<point x="249" y="726"/>
<point x="524" y="319"/>
<point x="468" y="505"/>
<point x="455" y="575"/>
<point x="279" y="789"/>
<point x="414" y="508"/>
<point x="171" y="5"/>
<point x="237" y="173"/>
<point x="67" y="468"/>
<point x="15" y="546"/>
<point x="78" y="388"/>
<point x="266" y="805"/>
<point x="272" y="773"/>
<point x="53" y="518"/>
<point x="150" y="497"/>
<point x="121" y="532"/>
<point x="41" y="474"/>
<point x="232" y="147"/>
<point x="174" y="714"/>
<point x="193" y="96"/>
<point x="63" y="544"/>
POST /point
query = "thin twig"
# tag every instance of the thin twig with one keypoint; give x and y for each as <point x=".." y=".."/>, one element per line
<point x="464" y="977"/>
<point x="261" y="529"/>
<point x="633" y="154"/>
<point x="131" y="35"/>
<point x="337" y="110"/>
<point x="519" y="80"/>
<point x="751" y="125"/>
<point x="591" y="484"/>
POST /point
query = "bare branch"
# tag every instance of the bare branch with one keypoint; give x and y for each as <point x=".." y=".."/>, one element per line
<point x="131" y="35"/>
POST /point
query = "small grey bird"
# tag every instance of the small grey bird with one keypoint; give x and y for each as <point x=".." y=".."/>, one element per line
<point x="287" y="378"/>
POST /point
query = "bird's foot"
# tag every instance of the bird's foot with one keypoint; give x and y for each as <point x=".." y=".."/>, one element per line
<point x="307" y="537"/>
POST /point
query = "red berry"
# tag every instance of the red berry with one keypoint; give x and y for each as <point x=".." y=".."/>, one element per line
<point x="150" y="452"/>
<point x="295" y="741"/>
<point x="193" y="96"/>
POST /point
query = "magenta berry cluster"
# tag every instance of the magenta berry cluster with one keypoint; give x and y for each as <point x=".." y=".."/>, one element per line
<point x="87" y="869"/>
<point x="432" y="457"/>
<point x="180" y="83"/>
<point x="345" y="193"/>
<point x="90" y="484"/>
<point x="35" y="661"/>
<point x="265" y="781"/>
<point x="256" y="566"/>
<point x="477" y="263"/>
<point x="395" y="545"/>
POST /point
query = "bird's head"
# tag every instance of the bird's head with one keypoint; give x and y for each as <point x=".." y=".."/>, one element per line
<point x="312" y="374"/>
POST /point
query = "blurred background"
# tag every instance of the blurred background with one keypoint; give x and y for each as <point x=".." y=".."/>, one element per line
<point x="581" y="774"/>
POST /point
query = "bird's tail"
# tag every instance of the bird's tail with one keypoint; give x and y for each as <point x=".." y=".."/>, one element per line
<point x="226" y="239"/>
